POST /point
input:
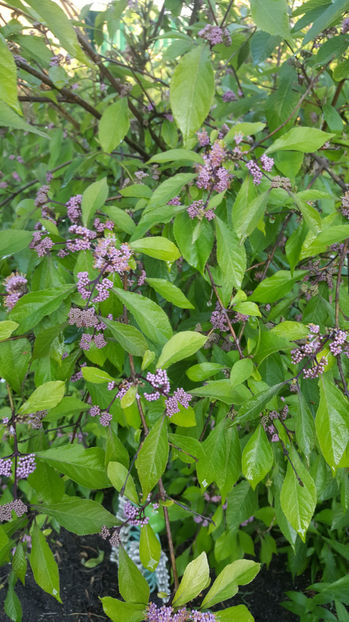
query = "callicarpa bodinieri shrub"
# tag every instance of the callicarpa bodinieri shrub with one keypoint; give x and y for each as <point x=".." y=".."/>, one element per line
<point x="174" y="278"/>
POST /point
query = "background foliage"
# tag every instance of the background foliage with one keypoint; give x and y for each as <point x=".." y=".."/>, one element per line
<point x="174" y="264"/>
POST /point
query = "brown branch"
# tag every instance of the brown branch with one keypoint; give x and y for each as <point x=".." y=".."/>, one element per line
<point x="226" y="13"/>
<point x="224" y="311"/>
<point x="324" y="163"/>
<point x="273" y="250"/>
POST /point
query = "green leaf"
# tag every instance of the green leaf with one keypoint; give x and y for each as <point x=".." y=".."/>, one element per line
<point x="31" y="308"/>
<point x="151" y="319"/>
<point x="129" y="337"/>
<point x="117" y="474"/>
<point x="290" y="330"/>
<point x="93" y="199"/>
<point x="332" y="422"/>
<point x="231" y="258"/>
<point x="149" y="548"/>
<point x="222" y="460"/>
<point x="8" y="77"/>
<point x="271" y="16"/>
<point x="331" y="235"/>
<point x="257" y="457"/>
<point x="157" y="247"/>
<point x="14" y="360"/>
<point x="113" y="125"/>
<point x="173" y="155"/>
<point x="13" y="241"/>
<point x="180" y="346"/>
<point x="185" y="417"/>
<point x="47" y="396"/>
<point x="12" y="604"/>
<point x="120" y="218"/>
<point x="305" y="427"/>
<point x="168" y="189"/>
<point x="239" y="613"/>
<point x="84" y="466"/>
<point x="170" y="292"/>
<point x="192" y="90"/>
<point x="327" y="17"/>
<point x="132" y="585"/>
<point x="248" y="209"/>
<point x="241" y="371"/>
<point x="19" y="562"/>
<point x="118" y="611"/>
<point x="130" y="397"/>
<point x="304" y="139"/>
<point x="222" y="390"/>
<point x="58" y="23"/>
<point x="80" y="516"/>
<point x="253" y="407"/>
<point x="7" y="328"/>
<point x="96" y="375"/>
<point x="240" y="572"/>
<point x="195" y="240"/>
<point x="202" y="371"/>
<point x="276" y="286"/>
<point x="152" y="458"/>
<point x="298" y="502"/>
<point x="43" y="564"/>
<point x="248" y="308"/>
<point x="246" y="129"/>
<point x="196" y="578"/>
<point x="9" y="118"/>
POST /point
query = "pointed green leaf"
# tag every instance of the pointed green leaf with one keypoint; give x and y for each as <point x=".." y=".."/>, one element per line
<point x="257" y="457"/>
<point x="298" y="502"/>
<point x="14" y="361"/>
<point x="180" y="346"/>
<point x="47" y="396"/>
<point x="240" y="572"/>
<point x="151" y="319"/>
<point x="129" y="337"/>
<point x="152" y="458"/>
<point x="8" y="77"/>
<point x="157" y="247"/>
<point x="192" y="90"/>
<point x="113" y="125"/>
<point x="118" y="611"/>
<point x="253" y="407"/>
<point x="43" y="564"/>
<point x="304" y="139"/>
<point x="196" y="578"/>
<point x="93" y="199"/>
<point x="31" y="308"/>
<point x="149" y="548"/>
<point x="170" y="292"/>
<point x="80" y="516"/>
<point x="132" y="585"/>
<point x="96" y="375"/>
<point x="332" y="421"/>
<point x="83" y="465"/>
<point x="271" y="16"/>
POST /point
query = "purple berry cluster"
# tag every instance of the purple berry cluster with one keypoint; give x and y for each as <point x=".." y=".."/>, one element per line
<point x="212" y="175"/>
<point x="215" y="35"/>
<point x="167" y="614"/>
<point x="25" y="466"/>
<point x="16" y="506"/>
<point x="74" y="208"/>
<point x="15" y="286"/>
<point x="161" y="383"/>
<point x="6" y="467"/>
<point x="135" y="515"/>
<point x="104" y="417"/>
<point x="338" y="344"/>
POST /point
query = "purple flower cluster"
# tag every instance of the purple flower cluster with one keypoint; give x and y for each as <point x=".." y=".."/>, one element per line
<point x="16" y="506"/>
<point x="25" y="466"/>
<point x="134" y="515"/>
<point x="179" y="397"/>
<point x="41" y="196"/>
<point x="267" y="163"/>
<point x="101" y="226"/>
<point x="15" y="286"/>
<point x="102" y="288"/>
<point x="159" y="380"/>
<point x="339" y="342"/>
<point x="82" y="243"/>
<point x="42" y="245"/>
<point x="215" y="35"/>
<point x="255" y="171"/>
<point x="229" y="96"/>
<point x="345" y="201"/>
<point x="175" y="201"/>
<point x="83" y="317"/>
<point x="218" y="319"/>
<point x="203" y="138"/>
<point x="212" y="175"/>
<point x="6" y="467"/>
<point x="197" y="210"/>
<point x="247" y="521"/>
<point x="104" y="417"/>
<point x="167" y="614"/>
<point x="74" y="208"/>
<point x="111" y="259"/>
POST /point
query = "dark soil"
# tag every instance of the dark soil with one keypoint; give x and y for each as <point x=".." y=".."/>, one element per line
<point x="81" y="587"/>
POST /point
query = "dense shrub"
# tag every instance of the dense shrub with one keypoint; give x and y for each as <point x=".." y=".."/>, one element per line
<point x="174" y="264"/>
